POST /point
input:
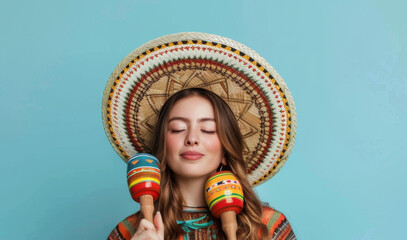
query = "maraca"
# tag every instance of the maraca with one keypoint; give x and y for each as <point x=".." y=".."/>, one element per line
<point x="224" y="196"/>
<point x="143" y="178"/>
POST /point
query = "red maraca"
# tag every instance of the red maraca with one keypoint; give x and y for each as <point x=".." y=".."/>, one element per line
<point x="224" y="196"/>
<point x="143" y="178"/>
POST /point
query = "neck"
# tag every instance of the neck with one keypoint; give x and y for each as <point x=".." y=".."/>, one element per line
<point x="192" y="190"/>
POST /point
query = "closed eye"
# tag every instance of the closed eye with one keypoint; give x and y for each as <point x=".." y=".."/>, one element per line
<point x="176" y="130"/>
<point x="209" y="132"/>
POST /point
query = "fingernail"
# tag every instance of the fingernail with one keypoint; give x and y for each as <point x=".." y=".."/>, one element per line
<point x="158" y="212"/>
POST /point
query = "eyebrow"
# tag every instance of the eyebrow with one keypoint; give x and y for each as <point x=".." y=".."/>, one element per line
<point x="187" y="120"/>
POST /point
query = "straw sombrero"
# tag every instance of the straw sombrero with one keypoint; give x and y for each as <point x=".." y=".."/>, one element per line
<point x="257" y="95"/>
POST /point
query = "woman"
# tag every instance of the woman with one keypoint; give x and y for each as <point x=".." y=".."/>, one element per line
<point x="196" y="134"/>
<point x="155" y="102"/>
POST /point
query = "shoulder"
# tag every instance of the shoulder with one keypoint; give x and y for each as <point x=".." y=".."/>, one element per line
<point x="277" y="224"/>
<point x="125" y="229"/>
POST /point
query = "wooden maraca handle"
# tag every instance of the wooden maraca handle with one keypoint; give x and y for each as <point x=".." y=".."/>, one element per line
<point x="147" y="207"/>
<point x="229" y="224"/>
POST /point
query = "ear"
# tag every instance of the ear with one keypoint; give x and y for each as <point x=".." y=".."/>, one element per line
<point x="223" y="161"/>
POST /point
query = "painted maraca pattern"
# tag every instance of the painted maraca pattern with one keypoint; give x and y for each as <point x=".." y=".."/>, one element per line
<point x="143" y="176"/>
<point x="223" y="193"/>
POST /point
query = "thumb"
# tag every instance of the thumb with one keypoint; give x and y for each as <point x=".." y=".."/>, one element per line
<point x="159" y="225"/>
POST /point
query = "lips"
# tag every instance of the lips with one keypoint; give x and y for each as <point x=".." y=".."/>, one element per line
<point x="191" y="155"/>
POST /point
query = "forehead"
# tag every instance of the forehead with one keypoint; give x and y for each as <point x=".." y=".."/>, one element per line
<point x="192" y="107"/>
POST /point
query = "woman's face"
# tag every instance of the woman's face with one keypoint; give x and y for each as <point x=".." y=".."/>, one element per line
<point x="192" y="143"/>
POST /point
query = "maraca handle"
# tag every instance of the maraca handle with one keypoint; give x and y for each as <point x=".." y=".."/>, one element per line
<point x="229" y="224"/>
<point x="147" y="207"/>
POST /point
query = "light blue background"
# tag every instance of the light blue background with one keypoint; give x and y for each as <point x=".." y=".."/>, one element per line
<point x="345" y="63"/>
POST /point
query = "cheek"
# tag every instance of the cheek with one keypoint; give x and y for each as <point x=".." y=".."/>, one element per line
<point x="171" y="142"/>
<point x="214" y="145"/>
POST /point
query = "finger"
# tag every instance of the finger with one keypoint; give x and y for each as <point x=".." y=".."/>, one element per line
<point x="145" y="225"/>
<point x="148" y="234"/>
<point x="159" y="225"/>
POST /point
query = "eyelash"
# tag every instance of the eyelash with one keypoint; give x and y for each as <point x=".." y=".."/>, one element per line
<point x="209" y="132"/>
<point x="177" y="131"/>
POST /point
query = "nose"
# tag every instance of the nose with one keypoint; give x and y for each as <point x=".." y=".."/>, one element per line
<point x="191" y="139"/>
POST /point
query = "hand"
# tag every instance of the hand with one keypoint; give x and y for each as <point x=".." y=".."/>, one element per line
<point x="147" y="230"/>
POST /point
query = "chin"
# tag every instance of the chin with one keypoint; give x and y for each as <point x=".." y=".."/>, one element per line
<point x="196" y="174"/>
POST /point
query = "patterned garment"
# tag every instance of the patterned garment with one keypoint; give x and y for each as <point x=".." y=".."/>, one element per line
<point x="198" y="224"/>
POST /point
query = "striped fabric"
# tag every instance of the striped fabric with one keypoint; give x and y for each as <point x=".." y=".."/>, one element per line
<point x="276" y="222"/>
<point x="278" y="225"/>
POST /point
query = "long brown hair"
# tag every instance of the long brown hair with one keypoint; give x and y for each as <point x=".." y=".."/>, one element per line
<point x="170" y="202"/>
